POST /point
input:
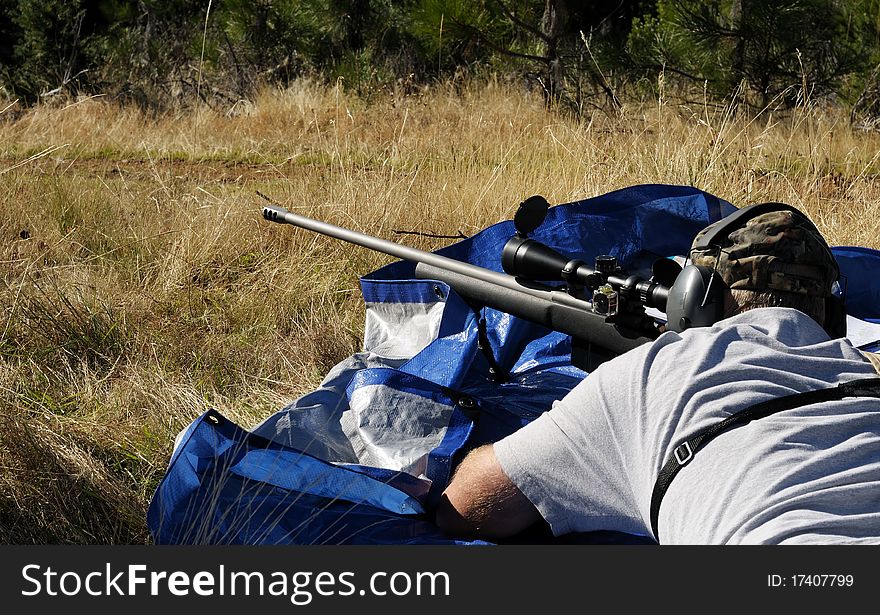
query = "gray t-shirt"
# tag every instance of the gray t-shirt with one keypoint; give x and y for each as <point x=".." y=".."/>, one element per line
<point x="810" y="474"/>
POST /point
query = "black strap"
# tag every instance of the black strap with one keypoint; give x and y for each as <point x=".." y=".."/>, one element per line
<point x="684" y="452"/>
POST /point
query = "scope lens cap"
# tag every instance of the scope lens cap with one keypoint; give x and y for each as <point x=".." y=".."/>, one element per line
<point x="531" y="214"/>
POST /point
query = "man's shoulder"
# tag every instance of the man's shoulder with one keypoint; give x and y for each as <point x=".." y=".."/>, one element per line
<point x="759" y="330"/>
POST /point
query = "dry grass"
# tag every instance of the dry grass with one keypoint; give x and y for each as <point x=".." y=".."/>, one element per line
<point x="141" y="286"/>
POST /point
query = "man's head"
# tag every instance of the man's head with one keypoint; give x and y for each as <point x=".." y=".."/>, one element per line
<point x="777" y="258"/>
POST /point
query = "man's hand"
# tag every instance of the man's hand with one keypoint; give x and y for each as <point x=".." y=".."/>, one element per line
<point x="481" y="501"/>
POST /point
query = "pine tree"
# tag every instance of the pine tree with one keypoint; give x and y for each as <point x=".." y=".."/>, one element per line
<point x="772" y="47"/>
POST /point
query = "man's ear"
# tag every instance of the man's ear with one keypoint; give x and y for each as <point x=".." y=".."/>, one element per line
<point x="731" y="307"/>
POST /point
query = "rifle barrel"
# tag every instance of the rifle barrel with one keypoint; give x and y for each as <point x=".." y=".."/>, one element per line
<point x="274" y="213"/>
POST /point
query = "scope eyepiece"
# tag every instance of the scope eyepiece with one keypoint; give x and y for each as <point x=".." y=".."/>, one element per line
<point x="652" y="294"/>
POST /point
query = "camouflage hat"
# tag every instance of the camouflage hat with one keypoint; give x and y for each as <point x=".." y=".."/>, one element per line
<point x="778" y="250"/>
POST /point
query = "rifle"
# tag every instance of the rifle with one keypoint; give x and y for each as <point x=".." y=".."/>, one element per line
<point x="601" y="307"/>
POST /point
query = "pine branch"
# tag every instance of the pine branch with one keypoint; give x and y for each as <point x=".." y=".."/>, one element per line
<point x="476" y="33"/>
<point x="519" y="22"/>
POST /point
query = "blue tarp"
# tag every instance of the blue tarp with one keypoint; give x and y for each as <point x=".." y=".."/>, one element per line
<point x="362" y="459"/>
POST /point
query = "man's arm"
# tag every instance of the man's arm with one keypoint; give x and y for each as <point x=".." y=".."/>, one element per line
<point x="481" y="501"/>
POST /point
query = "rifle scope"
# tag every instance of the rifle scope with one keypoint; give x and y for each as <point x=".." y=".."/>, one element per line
<point x="524" y="257"/>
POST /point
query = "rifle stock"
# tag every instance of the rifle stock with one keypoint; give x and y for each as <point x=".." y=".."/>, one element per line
<point x="550" y="310"/>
